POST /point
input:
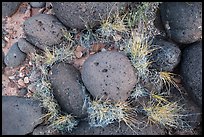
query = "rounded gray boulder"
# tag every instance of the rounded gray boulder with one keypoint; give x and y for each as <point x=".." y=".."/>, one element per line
<point x="9" y="8"/>
<point x="109" y="74"/>
<point x="25" y="46"/>
<point x="44" y="30"/>
<point x="166" y="57"/>
<point x="191" y="71"/>
<point x="182" y="21"/>
<point x="20" y="115"/>
<point x="67" y="89"/>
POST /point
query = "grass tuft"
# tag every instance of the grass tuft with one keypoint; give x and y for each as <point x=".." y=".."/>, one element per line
<point x="102" y="113"/>
<point x="64" y="123"/>
<point x="139" y="50"/>
<point x="168" y="79"/>
<point x="163" y="112"/>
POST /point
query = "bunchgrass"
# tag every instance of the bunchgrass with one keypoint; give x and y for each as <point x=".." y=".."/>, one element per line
<point x="167" y="79"/>
<point x="139" y="91"/>
<point x="104" y="112"/>
<point x="163" y="112"/>
<point x="139" y="52"/>
<point x="64" y="123"/>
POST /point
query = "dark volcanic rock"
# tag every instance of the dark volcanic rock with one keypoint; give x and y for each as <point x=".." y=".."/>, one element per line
<point x="182" y="21"/>
<point x="15" y="56"/>
<point x="44" y="30"/>
<point x="22" y="92"/>
<point x="44" y="130"/>
<point x="3" y="65"/>
<point x="167" y="56"/>
<point x="109" y="74"/>
<point x="115" y="129"/>
<point x="67" y="90"/>
<point x="37" y="4"/>
<point x="20" y="115"/>
<point x="9" y="8"/>
<point x="70" y="13"/>
<point x="25" y="46"/>
<point x="191" y="71"/>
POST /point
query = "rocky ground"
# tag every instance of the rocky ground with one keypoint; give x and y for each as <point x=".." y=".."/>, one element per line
<point x="69" y="68"/>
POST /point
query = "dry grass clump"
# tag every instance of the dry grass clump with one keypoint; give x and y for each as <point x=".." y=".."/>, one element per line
<point x="102" y="113"/>
<point x="166" y="113"/>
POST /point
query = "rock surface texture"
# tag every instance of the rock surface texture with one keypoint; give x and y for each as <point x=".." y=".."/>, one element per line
<point x="167" y="56"/>
<point x="67" y="90"/>
<point x="182" y="21"/>
<point x="14" y="57"/>
<point x="9" y="8"/>
<point x="109" y="74"/>
<point x="191" y="71"/>
<point x="20" y="115"/>
<point x="44" y="30"/>
<point x="37" y="4"/>
<point x="25" y="46"/>
<point x="77" y="14"/>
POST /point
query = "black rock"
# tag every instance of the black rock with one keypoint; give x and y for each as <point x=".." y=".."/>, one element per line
<point x="9" y="8"/>
<point x="77" y="14"/>
<point x="182" y="21"/>
<point x="166" y="57"/>
<point x="3" y="43"/>
<point x="37" y="4"/>
<point x="44" y="30"/>
<point x="191" y="71"/>
<point x="25" y="46"/>
<point x="20" y="115"/>
<point x="23" y="92"/>
<point x="15" y="56"/>
<point x="67" y="89"/>
<point x="3" y="65"/>
<point x="44" y="130"/>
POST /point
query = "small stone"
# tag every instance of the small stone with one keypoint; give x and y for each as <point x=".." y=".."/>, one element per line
<point x="3" y="43"/>
<point x="14" y="56"/>
<point x="30" y="63"/>
<point x="26" y="80"/>
<point x="79" y="48"/>
<point x="21" y="74"/>
<point x="37" y="4"/>
<point x="3" y="65"/>
<point x="22" y="92"/>
<point x="78" y="54"/>
<point x="12" y="77"/>
<point x="117" y="37"/>
<point x="31" y="88"/>
<point x="21" y="83"/>
<point x="25" y="46"/>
